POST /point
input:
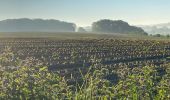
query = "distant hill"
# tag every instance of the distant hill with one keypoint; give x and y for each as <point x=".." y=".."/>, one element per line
<point x="116" y="26"/>
<point x="35" y="25"/>
<point x="162" y="29"/>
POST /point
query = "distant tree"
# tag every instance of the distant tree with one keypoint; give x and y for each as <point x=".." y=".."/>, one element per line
<point x="117" y="26"/>
<point x="81" y="29"/>
<point x="167" y="35"/>
<point x="157" y="35"/>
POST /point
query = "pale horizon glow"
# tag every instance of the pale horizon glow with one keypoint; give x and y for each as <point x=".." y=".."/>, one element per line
<point x="85" y="12"/>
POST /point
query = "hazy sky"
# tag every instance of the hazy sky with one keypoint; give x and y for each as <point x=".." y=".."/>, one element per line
<point x="84" y="12"/>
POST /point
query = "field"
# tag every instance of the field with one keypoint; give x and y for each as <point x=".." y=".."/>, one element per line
<point x="84" y="66"/>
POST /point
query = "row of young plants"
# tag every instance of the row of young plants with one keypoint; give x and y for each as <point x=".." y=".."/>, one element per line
<point x="38" y="83"/>
<point x="74" y="53"/>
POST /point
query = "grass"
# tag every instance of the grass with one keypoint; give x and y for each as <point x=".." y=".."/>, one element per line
<point x="37" y="83"/>
<point x="76" y="35"/>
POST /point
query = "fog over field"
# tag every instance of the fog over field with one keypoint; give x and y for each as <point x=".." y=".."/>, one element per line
<point x="47" y="14"/>
<point x="84" y="50"/>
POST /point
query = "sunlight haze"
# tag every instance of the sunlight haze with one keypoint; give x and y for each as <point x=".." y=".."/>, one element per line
<point x="84" y="12"/>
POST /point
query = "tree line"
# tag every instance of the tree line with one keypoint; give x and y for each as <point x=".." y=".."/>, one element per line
<point x="51" y="25"/>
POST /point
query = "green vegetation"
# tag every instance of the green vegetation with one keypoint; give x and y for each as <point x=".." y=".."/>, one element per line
<point x="81" y="29"/>
<point x="36" y="25"/>
<point x="146" y="83"/>
<point x="118" y="26"/>
<point x="84" y="69"/>
<point x="26" y="25"/>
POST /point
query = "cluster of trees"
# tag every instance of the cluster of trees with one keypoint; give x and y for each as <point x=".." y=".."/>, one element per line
<point x="40" y="25"/>
<point x="117" y="26"/>
<point x="36" y="25"/>
<point x="81" y="29"/>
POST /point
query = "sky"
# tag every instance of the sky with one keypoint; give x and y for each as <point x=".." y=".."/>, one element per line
<point x="85" y="12"/>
